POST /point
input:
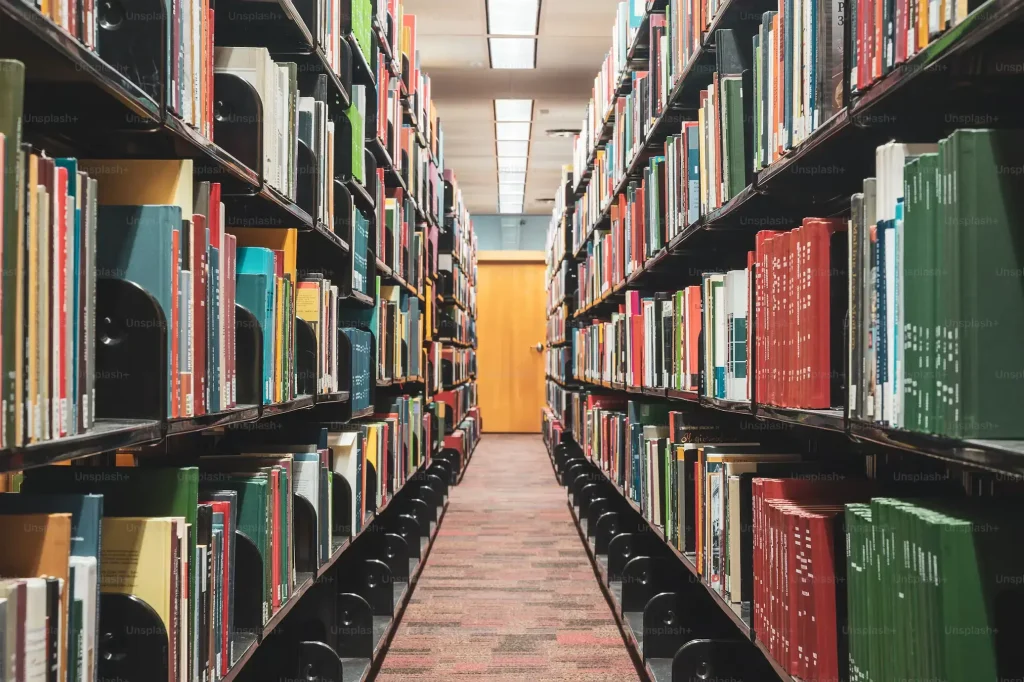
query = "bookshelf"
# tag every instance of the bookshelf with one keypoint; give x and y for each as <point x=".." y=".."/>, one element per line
<point x="686" y="308"/>
<point x="242" y="316"/>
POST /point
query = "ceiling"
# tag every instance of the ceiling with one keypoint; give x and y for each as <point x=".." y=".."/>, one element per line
<point x="573" y="38"/>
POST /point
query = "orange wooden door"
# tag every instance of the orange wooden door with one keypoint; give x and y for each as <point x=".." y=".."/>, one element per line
<point x="510" y="369"/>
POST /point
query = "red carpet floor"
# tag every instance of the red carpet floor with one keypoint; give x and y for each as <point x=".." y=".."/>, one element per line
<point x="508" y="592"/>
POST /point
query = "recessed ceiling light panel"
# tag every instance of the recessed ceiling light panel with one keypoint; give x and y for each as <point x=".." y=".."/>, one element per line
<point x="513" y="53"/>
<point x="513" y="110"/>
<point x="513" y="148"/>
<point x="513" y="17"/>
<point x="512" y="131"/>
<point x="511" y="163"/>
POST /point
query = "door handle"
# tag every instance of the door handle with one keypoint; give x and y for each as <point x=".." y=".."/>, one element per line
<point x="539" y="347"/>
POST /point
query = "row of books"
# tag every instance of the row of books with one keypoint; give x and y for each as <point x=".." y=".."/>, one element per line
<point x="458" y="365"/>
<point x="558" y="363"/>
<point x="559" y="401"/>
<point x="934" y="266"/>
<point x="458" y="402"/>
<point x="454" y="281"/>
<point x="797" y="74"/>
<point x="455" y="323"/>
<point x="458" y="237"/>
<point x="47" y="313"/>
<point x="556" y="324"/>
<point x="558" y="229"/>
<point x="811" y="551"/>
<point x="163" y="534"/>
<point x="400" y="243"/>
<point x="560" y="282"/>
<point x="400" y="334"/>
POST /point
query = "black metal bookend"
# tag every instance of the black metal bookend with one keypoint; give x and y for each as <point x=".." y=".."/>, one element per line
<point x="452" y="458"/>
<point x="342" y="144"/>
<point x="132" y="39"/>
<point x="664" y="629"/>
<point x="608" y="525"/>
<point x="393" y="550"/>
<point x="642" y="578"/>
<point x="306" y="536"/>
<point x="248" y="357"/>
<point x="341" y="514"/>
<point x="376" y="584"/>
<point x="436" y="477"/>
<point x="431" y="499"/>
<point x="621" y="550"/>
<point x="596" y="509"/>
<point x="712" y="659"/>
<point x="306" y="358"/>
<point x="238" y="120"/>
<point x="444" y="468"/>
<point x="249" y="605"/>
<point x="421" y="511"/>
<point x="317" y="662"/>
<point x="133" y="640"/>
<point x="307" y="171"/>
<point x="576" y="476"/>
<point x="343" y="215"/>
<point x="588" y="492"/>
<point x="354" y="627"/>
<point x="409" y="529"/>
<point x="132" y="368"/>
<point x="371" y="484"/>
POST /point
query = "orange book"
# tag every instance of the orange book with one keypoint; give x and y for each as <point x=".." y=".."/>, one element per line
<point x="38" y="545"/>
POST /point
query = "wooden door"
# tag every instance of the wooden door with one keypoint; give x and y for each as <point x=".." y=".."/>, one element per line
<point x="510" y="370"/>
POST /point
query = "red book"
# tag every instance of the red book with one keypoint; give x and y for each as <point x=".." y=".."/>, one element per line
<point x="232" y="250"/>
<point x="762" y="303"/>
<point x="175" y="378"/>
<point x="199" y="312"/>
<point x="800" y="323"/>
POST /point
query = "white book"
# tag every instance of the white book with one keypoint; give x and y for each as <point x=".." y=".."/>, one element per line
<point x="253" y="65"/>
<point x="85" y="591"/>
<point x="307" y="485"/>
<point x="36" y="655"/>
<point x="345" y="448"/>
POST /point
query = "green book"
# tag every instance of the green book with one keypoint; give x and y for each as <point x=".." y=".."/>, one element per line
<point x="12" y="94"/>
<point x="254" y="520"/>
<point x="732" y="134"/>
<point x="989" y="257"/>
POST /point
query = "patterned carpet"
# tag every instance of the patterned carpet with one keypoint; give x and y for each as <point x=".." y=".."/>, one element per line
<point x="508" y="592"/>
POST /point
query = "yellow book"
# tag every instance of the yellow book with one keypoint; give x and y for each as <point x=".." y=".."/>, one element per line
<point x="136" y="559"/>
<point x="133" y="182"/>
<point x="371" y="462"/>
<point x="921" y="30"/>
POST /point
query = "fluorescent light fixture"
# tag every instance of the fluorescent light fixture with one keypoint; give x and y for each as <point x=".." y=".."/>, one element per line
<point x="512" y="131"/>
<point x="511" y="163"/>
<point x="513" y="148"/>
<point x="510" y="177"/>
<point x="513" y="53"/>
<point x="510" y="208"/>
<point x="511" y="192"/>
<point x="513" y="110"/>
<point x="513" y="17"/>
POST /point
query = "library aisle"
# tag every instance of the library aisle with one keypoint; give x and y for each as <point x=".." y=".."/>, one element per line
<point x="507" y="592"/>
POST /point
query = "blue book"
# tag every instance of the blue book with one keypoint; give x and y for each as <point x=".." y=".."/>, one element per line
<point x="136" y="243"/>
<point x="693" y="174"/>
<point x="256" y="291"/>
